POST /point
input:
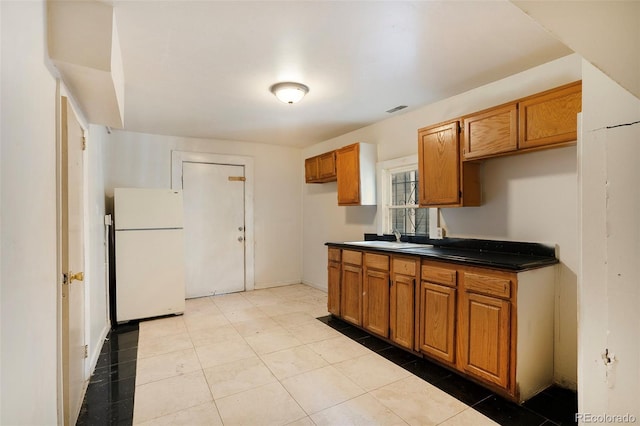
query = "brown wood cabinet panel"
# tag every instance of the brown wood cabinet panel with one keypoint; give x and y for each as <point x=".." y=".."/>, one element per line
<point x="334" y="269"/>
<point x="351" y="294"/>
<point x="376" y="261"/>
<point x="405" y="267"/>
<point x="311" y="172"/>
<point x="438" y="275"/>
<point x="321" y="168"/>
<point x="550" y="117"/>
<point x="327" y="166"/>
<point x="439" y="165"/>
<point x="444" y="181"/>
<point x="352" y="257"/>
<point x="491" y="285"/>
<point x="491" y="132"/>
<point x="437" y="321"/>
<point x="375" y="302"/>
<point x="348" y="170"/>
<point x="402" y="310"/>
<point x="335" y="254"/>
<point x="484" y="340"/>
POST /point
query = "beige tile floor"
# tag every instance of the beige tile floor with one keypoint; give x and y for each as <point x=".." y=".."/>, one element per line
<point x="262" y="358"/>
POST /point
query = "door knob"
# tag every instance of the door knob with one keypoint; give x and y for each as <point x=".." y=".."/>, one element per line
<point x="78" y="276"/>
<point x="241" y="239"/>
<point x="70" y="277"/>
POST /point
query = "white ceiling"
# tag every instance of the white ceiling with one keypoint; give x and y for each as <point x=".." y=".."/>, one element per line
<point x="203" y="69"/>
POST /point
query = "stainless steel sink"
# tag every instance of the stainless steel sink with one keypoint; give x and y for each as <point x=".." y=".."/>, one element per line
<point x="387" y="244"/>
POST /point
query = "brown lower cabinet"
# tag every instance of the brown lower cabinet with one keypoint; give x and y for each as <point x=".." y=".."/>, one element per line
<point x="402" y="309"/>
<point x="494" y="326"/>
<point x="351" y="287"/>
<point x="485" y="337"/>
<point x="375" y="294"/>
<point x="334" y="268"/>
<point x="438" y="290"/>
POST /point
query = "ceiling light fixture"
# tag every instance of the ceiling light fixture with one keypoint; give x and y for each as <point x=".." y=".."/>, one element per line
<point x="289" y="92"/>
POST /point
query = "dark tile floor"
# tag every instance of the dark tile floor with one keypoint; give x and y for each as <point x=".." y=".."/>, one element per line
<point x="109" y="397"/>
<point x="554" y="406"/>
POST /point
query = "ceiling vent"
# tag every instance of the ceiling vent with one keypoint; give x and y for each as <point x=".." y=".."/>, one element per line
<point x="398" y="108"/>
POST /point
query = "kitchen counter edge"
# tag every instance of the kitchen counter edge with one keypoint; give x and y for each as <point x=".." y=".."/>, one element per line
<point x="486" y="259"/>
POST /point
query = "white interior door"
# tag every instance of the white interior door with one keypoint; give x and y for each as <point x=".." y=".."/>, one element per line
<point x="214" y="228"/>
<point x="73" y="321"/>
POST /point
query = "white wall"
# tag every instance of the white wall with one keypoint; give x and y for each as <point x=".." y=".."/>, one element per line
<point x="29" y="358"/>
<point x="531" y="197"/>
<point x="144" y="160"/>
<point x="609" y="295"/>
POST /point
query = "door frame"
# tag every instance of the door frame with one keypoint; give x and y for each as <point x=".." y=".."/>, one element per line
<point x="179" y="157"/>
<point x="61" y="91"/>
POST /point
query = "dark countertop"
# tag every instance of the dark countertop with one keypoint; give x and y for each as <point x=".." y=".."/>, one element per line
<point x="510" y="256"/>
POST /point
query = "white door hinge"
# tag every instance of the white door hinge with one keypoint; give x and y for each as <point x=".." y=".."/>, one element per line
<point x="84" y="143"/>
<point x="86" y="351"/>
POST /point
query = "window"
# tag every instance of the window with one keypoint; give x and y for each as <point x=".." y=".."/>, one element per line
<point x="404" y="214"/>
<point x="398" y="199"/>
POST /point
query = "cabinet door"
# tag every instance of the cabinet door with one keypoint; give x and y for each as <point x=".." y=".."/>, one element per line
<point x="485" y="324"/>
<point x="333" y="296"/>
<point x="351" y="293"/>
<point x="491" y="132"/>
<point x="439" y="165"/>
<point x="375" y="303"/>
<point x="348" y="171"/>
<point x="551" y="117"/>
<point x="311" y="169"/>
<point x="437" y="321"/>
<point x="327" y="166"/>
<point x="402" y="310"/>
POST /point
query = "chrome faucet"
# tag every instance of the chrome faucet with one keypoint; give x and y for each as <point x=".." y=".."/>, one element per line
<point x="397" y="234"/>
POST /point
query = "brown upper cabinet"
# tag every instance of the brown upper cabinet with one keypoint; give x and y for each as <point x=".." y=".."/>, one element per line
<point x="550" y="118"/>
<point x="356" y="172"/>
<point x="321" y="168"/>
<point x="544" y="120"/>
<point x="444" y="181"/>
<point x="491" y="132"/>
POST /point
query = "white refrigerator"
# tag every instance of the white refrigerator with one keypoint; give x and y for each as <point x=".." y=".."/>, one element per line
<point x="149" y="253"/>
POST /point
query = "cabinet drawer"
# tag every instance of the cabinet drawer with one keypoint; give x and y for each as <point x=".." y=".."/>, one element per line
<point x="405" y="267"/>
<point x="334" y="255"/>
<point x="352" y="257"/>
<point x="376" y="261"/>
<point x="486" y="284"/>
<point x="437" y="275"/>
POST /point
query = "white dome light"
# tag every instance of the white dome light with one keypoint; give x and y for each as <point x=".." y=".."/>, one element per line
<point x="289" y="92"/>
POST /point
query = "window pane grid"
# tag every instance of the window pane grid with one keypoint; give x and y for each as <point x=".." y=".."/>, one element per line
<point x="404" y="213"/>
